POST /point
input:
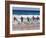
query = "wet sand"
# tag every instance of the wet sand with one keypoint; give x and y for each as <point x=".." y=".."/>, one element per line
<point x="26" y="26"/>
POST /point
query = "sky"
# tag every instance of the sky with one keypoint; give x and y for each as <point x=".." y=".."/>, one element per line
<point x="25" y="8"/>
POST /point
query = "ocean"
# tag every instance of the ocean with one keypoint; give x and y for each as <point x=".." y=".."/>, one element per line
<point x="26" y="12"/>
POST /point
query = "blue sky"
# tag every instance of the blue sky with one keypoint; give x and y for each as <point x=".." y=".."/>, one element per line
<point x="25" y="8"/>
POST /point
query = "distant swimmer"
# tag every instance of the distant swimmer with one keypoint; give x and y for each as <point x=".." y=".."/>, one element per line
<point x="37" y="18"/>
<point x="33" y="18"/>
<point x="28" y="19"/>
<point x="21" y="19"/>
<point x="15" y="18"/>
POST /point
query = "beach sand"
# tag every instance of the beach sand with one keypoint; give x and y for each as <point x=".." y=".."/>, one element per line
<point x="26" y="26"/>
